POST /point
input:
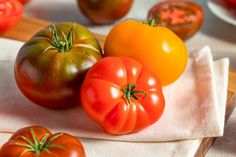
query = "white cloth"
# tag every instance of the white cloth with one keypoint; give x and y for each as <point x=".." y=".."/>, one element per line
<point x="185" y="148"/>
<point x="193" y="107"/>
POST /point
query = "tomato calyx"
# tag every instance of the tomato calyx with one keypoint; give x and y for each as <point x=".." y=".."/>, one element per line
<point x="36" y="146"/>
<point x="151" y="22"/>
<point x="130" y="92"/>
<point x="61" y="43"/>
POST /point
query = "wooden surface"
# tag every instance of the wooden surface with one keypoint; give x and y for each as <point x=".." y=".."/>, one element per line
<point x="29" y="26"/>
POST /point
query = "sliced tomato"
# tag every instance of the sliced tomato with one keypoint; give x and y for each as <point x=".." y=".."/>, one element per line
<point x="184" y="18"/>
<point x="10" y="14"/>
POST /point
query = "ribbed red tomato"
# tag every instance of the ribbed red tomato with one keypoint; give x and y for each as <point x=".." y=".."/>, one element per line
<point x="36" y="141"/>
<point x="10" y="14"/>
<point x="122" y="95"/>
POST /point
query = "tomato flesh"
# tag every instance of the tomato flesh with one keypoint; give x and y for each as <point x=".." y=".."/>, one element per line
<point x="183" y="17"/>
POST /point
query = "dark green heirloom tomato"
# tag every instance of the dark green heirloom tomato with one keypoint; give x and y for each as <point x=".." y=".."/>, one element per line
<point x="49" y="68"/>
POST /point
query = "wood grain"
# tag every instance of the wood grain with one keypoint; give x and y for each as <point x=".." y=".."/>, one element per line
<point x="29" y="26"/>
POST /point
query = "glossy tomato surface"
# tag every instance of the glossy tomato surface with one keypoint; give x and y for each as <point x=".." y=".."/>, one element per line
<point x="122" y="95"/>
<point x="231" y="2"/>
<point x="104" y="11"/>
<point x="49" y="68"/>
<point x="156" y="47"/>
<point x="36" y="141"/>
<point x="10" y="14"/>
<point x="183" y="17"/>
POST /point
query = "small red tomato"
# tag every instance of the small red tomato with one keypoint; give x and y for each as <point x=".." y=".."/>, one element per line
<point x="231" y="2"/>
<point x="36" y="141"/>
<point x="104" y="11"/>
<point x="10" y="14"/>
<point x="184" y="18"/>
<point x="121" y="95"/>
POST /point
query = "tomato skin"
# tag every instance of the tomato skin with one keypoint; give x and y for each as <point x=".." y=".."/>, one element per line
<point x="24" y="1"/>
<point x="187" y="17"/>
<point x="231" y="2"/>
<point x="104" y="11"/>
<point x="157" y="48"/>
<point x="11" y="13"/>
<point x="51" y="78"/>
<point x="70" y="146"/>
<point x="103" y="99"/>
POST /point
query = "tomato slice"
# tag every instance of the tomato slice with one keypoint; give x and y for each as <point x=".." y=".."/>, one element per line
<point x="182" y="17"/>
<point x="10" y="14"/>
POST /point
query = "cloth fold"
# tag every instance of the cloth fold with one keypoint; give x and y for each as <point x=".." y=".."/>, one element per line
<point x="195" y="103"/>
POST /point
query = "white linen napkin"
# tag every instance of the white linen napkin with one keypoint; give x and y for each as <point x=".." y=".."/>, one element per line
<point x="193" y="107"/>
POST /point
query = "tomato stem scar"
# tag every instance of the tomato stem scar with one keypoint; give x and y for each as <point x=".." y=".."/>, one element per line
<point x="151" y="22"/>
<point x="130" y="92"/>
<point x="61" y="42"/>
<point x="37" y="146"/>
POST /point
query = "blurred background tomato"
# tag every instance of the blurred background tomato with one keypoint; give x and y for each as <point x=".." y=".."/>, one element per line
<point x="104" y="11"/>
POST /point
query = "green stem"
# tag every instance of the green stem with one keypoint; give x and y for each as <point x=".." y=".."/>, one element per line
<point x="37" y="146"/>
<point x="151" y="22"/>
<point x="130" y="92"/>
<point x="60" y="41"/>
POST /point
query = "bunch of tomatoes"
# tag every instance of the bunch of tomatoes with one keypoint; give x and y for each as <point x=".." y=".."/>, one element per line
<point x="120" y="88"/>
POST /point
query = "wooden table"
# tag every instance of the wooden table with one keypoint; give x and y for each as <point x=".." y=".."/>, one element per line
<point x="29" y="26"/>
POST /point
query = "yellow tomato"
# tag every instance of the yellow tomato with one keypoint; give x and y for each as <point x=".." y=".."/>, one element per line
<point x="156" y="47"/>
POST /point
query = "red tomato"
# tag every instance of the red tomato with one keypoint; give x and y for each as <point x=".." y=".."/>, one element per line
<point x="36" y="141"/>
<point x="184" y="18"/>
<point x="24" y="1"/>
<point x="104" y="11"/>
<point x="10" y="14"/>
<point x="121" y="95"/>
<point x="231" y="2"/>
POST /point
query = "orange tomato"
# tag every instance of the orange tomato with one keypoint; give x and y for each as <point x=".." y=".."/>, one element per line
<point x="156" y="47"/>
